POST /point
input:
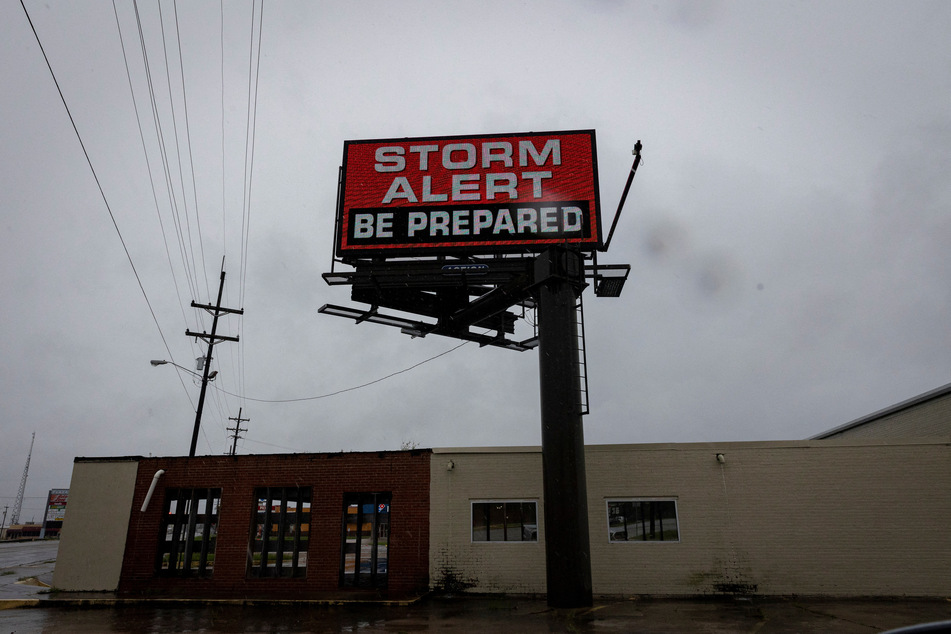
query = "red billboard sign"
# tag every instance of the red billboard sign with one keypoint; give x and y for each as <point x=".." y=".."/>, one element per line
<point x="468" y="194"/>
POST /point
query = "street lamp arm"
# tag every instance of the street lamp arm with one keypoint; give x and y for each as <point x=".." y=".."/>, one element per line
<point x="158" y="362"/>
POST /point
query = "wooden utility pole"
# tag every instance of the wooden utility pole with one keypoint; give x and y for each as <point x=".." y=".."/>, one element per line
<point x="237" y="430"/>
<point x="216" y="311"/>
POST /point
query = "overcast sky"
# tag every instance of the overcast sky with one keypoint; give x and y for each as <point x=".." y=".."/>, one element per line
<point x="788" y="229"/>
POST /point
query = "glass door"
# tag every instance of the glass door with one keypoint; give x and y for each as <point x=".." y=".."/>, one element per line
<point x="364" y="561"/>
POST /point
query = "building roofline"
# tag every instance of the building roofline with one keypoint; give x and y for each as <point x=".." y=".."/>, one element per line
<point x="888" y="411"/>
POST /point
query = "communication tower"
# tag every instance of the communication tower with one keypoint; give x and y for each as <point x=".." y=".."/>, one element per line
<point x="15" y="517"/>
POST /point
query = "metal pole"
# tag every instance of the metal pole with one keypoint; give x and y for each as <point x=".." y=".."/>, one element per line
<point x="560" y="273"/>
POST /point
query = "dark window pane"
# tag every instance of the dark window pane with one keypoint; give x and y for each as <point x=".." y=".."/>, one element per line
<point x="642" y="520"/>
<point x="504" y="521"/>
<point x="496" y="522"/>
<point x="480" y="525"/>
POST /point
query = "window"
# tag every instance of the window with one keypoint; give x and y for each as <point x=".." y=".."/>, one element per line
<point x="366" y="540"/>
<point x="504" y="521"/>
<point x="643" y="521"/>
<point x="188" y="532"/>
<point x="279" y="532"/>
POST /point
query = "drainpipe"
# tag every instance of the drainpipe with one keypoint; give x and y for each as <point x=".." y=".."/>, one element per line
<point x="148" y="496"/>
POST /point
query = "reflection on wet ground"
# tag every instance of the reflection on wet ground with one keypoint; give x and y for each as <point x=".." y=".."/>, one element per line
<point x="466" y="614"/>
<point x="21" y="564"/>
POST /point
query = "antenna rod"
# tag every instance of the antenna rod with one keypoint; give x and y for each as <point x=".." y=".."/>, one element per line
<point x="627" y="187"/>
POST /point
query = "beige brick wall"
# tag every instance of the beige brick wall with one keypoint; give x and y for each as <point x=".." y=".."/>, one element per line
<point x="830" y="518"/>
<point x="92" y="542"/>
<point x="499" y="473"/>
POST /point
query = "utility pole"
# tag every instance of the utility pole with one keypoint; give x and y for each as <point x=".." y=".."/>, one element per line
<point x="216" y="311"/>
<point x="18" y="504"/>
<point x="3" y="522"/>
<point x="237" y="430"/>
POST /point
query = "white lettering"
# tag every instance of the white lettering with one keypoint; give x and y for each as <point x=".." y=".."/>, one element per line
<point x="424" y="151"/>
<point x="536" y="178"/>
<point x="428" y="195"/>
<point x="575" y="224"/>
<point x="527" y="220"/>
<point x="492" y="186"/>
<point x="389" y="159"/>
<point x="482" y="219"/>
<point x="549" y="221"/>
<point x="417" y="220"/>
<point x="503" y="221"/>
<point x="552" y="147"/>
<point x="439" y="223"/>
<point x="362" y="226"/>
<point x="462" y="183"/>
<point x="400" y="188"/>
<point x="384" y="225"/>
<point x="465" y="164"/>
<point x="460" y="222"/>
<point x="505" y="156"/>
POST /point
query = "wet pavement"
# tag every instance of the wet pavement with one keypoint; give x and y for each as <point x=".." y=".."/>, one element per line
<point x="34" y="608"/>
<point x="481" y="614"/>
<point x="26" y="568"/>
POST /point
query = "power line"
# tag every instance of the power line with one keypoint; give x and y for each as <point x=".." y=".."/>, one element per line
<point x="188" y="265"/>
<point x="349" y="389"/>
<point x="95" y="176"/>
<point x="178" y="153"/>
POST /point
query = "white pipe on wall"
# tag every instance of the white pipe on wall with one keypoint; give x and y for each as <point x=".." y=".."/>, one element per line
<point x="148" y="496"/>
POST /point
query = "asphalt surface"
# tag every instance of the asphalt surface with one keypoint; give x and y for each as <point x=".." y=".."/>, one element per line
<point x="26" y="568"/>
<point x="27" y="606"/>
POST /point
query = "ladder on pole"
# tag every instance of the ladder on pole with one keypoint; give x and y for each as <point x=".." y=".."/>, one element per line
<point x="582" y="358"/>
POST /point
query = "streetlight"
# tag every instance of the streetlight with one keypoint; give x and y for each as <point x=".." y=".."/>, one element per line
<point x="209" y="376"/>
<point x="157" y="362"/>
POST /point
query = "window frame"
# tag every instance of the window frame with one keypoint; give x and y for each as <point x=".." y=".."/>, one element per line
<point x="366" y="536"/>
<point x="522" y="524"/>
<point x="275" y="526"/>
<point x="180" y="529"/>
<point x="644" y="500"/>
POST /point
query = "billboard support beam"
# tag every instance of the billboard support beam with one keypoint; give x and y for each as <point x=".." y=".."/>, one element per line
<point x="559" y="273"/>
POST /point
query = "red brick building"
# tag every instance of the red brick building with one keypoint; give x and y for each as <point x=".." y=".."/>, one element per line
<point x="288" y="526"/>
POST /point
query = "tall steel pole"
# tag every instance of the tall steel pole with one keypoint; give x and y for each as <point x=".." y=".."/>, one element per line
<point x="560" y="275"/>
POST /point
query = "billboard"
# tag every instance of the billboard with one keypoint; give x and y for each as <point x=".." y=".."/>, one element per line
<point x="468" y="194"/>
<point x="56" y="505"/>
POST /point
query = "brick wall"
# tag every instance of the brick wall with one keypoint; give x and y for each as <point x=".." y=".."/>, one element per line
<point x="825" y="518"/>
<point x="403" y="474"/>
<point x="458" y="563"/>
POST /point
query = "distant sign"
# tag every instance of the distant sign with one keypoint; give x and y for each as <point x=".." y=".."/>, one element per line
<point x="56" y="505"/>
<point x="468" y="194"/>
